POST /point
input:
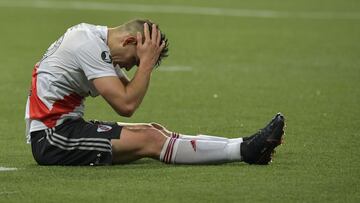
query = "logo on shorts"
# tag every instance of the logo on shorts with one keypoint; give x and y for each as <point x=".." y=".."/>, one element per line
<point x="106" y="57"/>
<point x="103" y="128"/>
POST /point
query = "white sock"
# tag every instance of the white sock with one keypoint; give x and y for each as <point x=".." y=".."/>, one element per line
<point x="199" y="151"/>
<point x="206" y="137"/>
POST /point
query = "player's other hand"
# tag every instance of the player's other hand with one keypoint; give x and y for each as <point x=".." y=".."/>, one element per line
<point x="149" y="50"/>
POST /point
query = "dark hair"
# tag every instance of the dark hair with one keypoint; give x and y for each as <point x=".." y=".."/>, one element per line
<point x="137" y="25"/>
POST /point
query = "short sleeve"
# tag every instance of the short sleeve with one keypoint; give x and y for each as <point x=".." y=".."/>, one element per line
<point x="95" y="60"/>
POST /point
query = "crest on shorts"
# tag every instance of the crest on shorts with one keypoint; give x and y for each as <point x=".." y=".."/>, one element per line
<point x="106" y="57"/>
<point x="103" y="128"/>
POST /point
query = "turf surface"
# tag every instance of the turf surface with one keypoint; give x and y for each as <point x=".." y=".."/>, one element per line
<point x="237" y="73"/>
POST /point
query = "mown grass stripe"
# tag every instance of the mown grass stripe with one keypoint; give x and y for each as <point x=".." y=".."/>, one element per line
<point x="179" y="9"/>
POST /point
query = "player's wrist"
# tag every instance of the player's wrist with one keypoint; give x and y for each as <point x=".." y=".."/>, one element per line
<point x="146" y="69"/>
<point x="146" y="66"/>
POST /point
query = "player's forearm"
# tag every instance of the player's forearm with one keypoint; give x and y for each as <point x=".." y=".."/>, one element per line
<point x="124" y="99"/>
<point x="137" y="88"/>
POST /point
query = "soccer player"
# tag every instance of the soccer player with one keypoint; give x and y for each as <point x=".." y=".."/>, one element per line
<point x="88" y="60"/>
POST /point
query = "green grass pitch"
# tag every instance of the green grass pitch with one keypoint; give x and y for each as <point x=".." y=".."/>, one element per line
<point x="237" y="72"/>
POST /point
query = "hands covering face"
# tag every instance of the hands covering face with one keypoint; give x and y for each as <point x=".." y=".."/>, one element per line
<point x="149" y="50"/>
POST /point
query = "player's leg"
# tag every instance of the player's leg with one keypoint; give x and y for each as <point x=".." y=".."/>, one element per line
<point x="138" y="142"/>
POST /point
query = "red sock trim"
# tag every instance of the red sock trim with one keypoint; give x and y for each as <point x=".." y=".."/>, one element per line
<point x="169" y="150"/>
<point x="172" y="149"/>
<point x="175" y="135"/>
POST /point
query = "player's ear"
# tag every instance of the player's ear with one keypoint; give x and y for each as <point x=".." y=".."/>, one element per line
<point x="130" y="40"/>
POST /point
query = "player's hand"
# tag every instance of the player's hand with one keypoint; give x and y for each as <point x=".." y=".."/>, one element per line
<point x="149" y="50"/>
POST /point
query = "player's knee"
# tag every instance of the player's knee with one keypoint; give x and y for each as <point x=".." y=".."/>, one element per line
<point x="154" y="136"/>
<point x="155" y="140"/>
<point x="139" y="142"/>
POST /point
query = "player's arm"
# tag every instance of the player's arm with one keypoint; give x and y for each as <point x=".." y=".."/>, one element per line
<point x="125" y="99"/>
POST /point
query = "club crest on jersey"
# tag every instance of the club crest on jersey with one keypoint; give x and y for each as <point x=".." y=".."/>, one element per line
<point x="103" y="128"/>
<point x="106" y="57"/>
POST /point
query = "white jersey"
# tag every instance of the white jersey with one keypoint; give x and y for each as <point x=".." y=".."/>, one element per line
<point x="62" y="78"/>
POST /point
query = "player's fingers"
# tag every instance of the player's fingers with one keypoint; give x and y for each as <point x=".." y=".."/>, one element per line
<point x="162" y="46"/>
<point x="154" y="33"/>
<point x="146" y="32"/>
<point x="139" y="39"/>
<point x="158" y="38"/>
